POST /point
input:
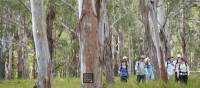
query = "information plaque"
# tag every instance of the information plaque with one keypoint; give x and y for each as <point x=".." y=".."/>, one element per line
<point x="88" y="78"/>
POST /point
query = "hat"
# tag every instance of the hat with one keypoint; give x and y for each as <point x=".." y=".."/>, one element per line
<point x="125" y="57"/>
<point x="142" y="57"/>
<point x="146" y="59"/>
<point x="178" y="55"/>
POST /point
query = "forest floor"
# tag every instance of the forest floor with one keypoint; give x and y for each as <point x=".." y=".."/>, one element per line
<point x="193" y="82"/>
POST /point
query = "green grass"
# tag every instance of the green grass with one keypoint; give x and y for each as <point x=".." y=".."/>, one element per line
<point x="57" y="83"/>
<point x="16" y="83"/>
<point x="194" y="82"/>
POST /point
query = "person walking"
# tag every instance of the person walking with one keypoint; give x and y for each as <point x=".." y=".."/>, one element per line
<point x="170" y="66"/>
<point x="140" y="68"/>
<point x="123" y="71"/>
<point x="150" y="70"/>
<point x="183" y="70"/>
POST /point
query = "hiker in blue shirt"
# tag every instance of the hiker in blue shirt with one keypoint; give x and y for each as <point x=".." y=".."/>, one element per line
<point x="123" y="71"/>
<point x="150" y="70"/>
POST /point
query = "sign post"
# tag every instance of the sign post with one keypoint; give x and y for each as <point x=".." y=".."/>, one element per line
<point x="88" y="78"/>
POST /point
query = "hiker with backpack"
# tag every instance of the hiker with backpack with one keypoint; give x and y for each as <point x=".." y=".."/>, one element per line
<point x="123" y="71"/>
<point x="140" y="68"/>
<point x="150" y="70"/>
<point x="170" y="66"/>
<point x="183" y="70"/>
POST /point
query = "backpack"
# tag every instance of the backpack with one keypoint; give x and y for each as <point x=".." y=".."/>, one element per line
<point x="170" y="63"/>
<point x="167" y="64"/>
<point x="185" y="66"/>
<point x="141" y="68"/>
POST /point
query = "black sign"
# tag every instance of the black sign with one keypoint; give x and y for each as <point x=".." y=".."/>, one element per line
<point x="88" y="78"/>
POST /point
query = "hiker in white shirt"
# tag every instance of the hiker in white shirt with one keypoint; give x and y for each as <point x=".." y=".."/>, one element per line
<point x="140" y="68"/>
<point x="183" y="70"/>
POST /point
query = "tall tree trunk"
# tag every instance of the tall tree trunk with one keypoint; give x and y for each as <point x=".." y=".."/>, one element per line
<point x="120" y="45"/>
<point x="165" y="37"/>
<point x="50" y="27"/>
<point x="34" y="70"/>
<point x="121" y="42"/>
<point x="41" y="44"/>
<point x="20" y="62"/>
<point x="184" y="33"/>
<point x="2" y="58"/>
<point x="88" y="26"/>
<point x="114" y="54"/>
<point x="129" y="52"/>
<point x="10" y="57"/>
<point x="23" y="64"/>
<point x="51" y="34"/>
<point x="2" y="64"/>
<point x="105" y="38"/>
<point x="153" y="46"/>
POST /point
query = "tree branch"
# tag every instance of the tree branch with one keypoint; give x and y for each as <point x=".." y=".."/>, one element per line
<point x="23" y="4"/>
<point x="112" y="25"/>
<point x="70" y="5"/>
<point x="66" y="27"/>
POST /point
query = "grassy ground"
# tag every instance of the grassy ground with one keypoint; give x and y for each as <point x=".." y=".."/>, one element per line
<point x="194" y="82"/>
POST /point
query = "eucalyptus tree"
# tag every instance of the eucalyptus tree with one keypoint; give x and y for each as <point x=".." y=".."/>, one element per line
<point x="88" y="39"/>
<point x="41" y="44"/>
<point x="153" y="20"/>
<point x="104" y="42"/>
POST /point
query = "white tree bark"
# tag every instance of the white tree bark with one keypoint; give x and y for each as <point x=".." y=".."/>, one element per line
<point x="41" y="43"/>
<point x="105" y="38"/>
<point x="80" y="5"/>
<point x="10" y="56"/>
<point x="165" y="37"/>
<point x="153" y="19"/>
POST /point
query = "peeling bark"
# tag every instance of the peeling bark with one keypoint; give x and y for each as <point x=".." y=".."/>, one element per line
<point x="88" y="26"/>
<point x="152" y="18"/>
<point x="184" y="32"/>
<point x="105" y="47"/>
